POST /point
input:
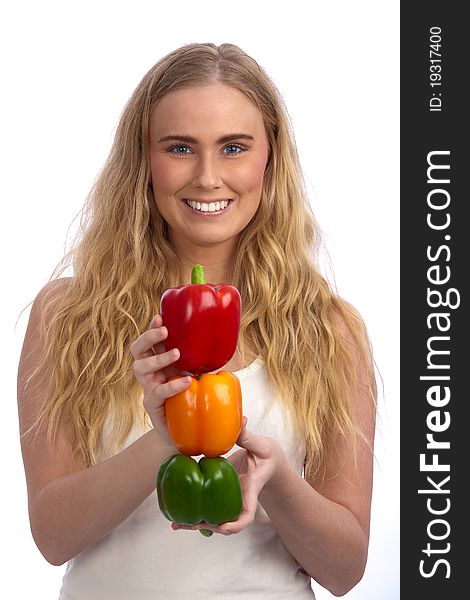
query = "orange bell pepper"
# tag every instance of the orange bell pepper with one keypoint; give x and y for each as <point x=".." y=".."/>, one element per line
<point x="206" y="418"/>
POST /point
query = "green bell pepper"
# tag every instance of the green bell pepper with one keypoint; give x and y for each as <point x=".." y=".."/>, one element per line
<point x="189" y="492"/>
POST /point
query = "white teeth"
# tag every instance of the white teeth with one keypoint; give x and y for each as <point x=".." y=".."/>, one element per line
<point x="205" y="207"/>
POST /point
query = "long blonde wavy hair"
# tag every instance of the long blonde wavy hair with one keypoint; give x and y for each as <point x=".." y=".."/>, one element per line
<point x="122" y="262"/>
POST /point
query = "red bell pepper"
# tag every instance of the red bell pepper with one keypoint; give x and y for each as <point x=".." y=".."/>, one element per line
<point x="203" y="321"/>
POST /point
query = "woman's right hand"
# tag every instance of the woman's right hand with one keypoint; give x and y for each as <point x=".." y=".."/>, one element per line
<point x="153" y="368"/>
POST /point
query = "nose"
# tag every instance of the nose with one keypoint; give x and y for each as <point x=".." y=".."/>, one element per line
<point x="207" y="175"/>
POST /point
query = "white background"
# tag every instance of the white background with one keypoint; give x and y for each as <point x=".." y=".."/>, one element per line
<point x="68" y="69"/>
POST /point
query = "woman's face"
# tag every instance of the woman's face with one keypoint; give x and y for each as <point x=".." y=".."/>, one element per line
<point x="208" y="154"/>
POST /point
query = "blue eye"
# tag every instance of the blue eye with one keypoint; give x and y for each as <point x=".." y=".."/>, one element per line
<point x="184" y="150"/>
<point x="238" y="148"/>
<point x="179" y="149"/>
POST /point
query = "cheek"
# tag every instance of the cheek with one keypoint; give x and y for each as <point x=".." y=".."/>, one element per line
<point x="254" y="173"/>
<point x="163" y="178"/>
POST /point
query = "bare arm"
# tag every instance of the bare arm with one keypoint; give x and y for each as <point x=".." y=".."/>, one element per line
<point x="71" y="505"/>
<point x="75" y="510"/>
<point x="325" y="536"/>
<point x="325" y="522"/>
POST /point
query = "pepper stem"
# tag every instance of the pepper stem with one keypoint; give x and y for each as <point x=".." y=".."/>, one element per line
<point x="197" y="274"/>
<point x="206" y="532"/>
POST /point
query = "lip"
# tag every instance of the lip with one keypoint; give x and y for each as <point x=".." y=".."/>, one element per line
<point x="208" y="215"/>
<point x="206" y="200"/>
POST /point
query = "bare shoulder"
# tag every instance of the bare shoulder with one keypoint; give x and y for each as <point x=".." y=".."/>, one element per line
<point x="34" y="340"/>
<point x="53" y="290"/>
<point x="349" y="467"/>
<point x="348" y="320"/>
<point x="51" y="293"/>
<point x="33" y="343"/>
<point x="352" y="328"/>
<point x="43" y="461"/>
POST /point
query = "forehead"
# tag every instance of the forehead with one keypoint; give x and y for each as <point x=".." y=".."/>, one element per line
<point x="206" y="109"/>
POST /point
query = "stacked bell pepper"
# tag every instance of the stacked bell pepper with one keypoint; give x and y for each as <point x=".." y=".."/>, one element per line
<point x="203" y="321"/>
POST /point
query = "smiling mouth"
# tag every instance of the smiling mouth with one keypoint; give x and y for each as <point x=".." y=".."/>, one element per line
<point x="208" y="207"/>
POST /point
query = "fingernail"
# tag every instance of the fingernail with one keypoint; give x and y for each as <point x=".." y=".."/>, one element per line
<point x="176" y="352"/>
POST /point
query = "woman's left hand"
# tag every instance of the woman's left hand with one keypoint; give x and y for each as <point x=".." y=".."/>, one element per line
<point x="256" y="464"/>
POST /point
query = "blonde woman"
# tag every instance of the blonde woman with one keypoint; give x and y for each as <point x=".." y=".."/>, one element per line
<point x="204" y="170"/>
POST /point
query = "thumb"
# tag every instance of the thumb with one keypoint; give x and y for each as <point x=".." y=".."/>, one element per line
<point x="251" y="441"/>
<point x="243" y="433"/>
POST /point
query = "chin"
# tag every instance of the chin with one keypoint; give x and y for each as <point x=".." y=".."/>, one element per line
<point x="213" y="238"/>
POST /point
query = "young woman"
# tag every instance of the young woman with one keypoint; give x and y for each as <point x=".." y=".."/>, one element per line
<point x="203" y="170"/>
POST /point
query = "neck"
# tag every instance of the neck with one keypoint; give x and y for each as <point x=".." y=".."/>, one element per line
<point x="216" y="260"/>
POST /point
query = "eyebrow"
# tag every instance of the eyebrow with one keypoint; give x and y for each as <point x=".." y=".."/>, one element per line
<point x="221" y="140"/>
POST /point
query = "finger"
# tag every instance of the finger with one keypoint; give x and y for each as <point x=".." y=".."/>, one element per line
<point x="171" y="388"/>
<point x="156" y="321"/>
<point x="244" y="435"/>
<point x="142" y="346"/>
<point x="156" y="362"/>
<point x="177" y="526"/>
<point x="244" y="520"/>
<point x="234" y="526"/>
<point x="250" y="501"/>
<point x="202" y="527"/>
<point x="258" y="444"/>
<point x="155" y="399"/>
<point x="247" y="516"/>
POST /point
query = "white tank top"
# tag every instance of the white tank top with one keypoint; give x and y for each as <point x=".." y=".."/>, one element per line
<point x="144" y="559"/>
